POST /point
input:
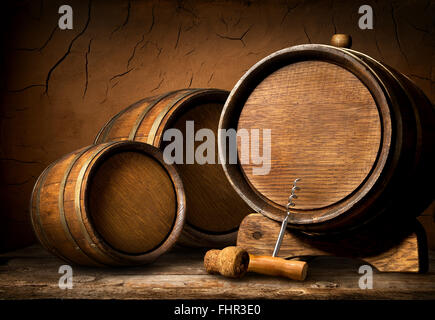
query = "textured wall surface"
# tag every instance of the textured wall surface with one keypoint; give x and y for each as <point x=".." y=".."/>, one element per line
<point x="60" y="86"/>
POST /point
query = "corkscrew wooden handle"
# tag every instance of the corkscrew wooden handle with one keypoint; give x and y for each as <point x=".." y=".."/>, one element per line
<point x="234" y="262"/>
<point x="273" y="266"/>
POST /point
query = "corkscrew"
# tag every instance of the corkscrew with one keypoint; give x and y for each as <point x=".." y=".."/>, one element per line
<point x="285" y="221"/>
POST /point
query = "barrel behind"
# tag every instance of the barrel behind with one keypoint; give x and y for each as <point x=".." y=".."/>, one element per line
<point x="214" y="210"/>
<point x="359" y="134"/>
<point x="113" y="204"/>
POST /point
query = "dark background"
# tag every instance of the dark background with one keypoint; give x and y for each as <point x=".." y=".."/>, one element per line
<point x="58" y="87"/>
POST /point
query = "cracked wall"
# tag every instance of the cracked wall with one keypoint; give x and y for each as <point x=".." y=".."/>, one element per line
<point x="60" y="86"/>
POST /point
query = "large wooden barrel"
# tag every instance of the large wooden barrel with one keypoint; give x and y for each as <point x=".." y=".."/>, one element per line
<point x="359" y="134"/>
<point x="214" y="210"/>
<point x="116" y="203"/>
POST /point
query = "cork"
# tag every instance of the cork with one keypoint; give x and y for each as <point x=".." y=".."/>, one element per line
<point x="230" y="262"/>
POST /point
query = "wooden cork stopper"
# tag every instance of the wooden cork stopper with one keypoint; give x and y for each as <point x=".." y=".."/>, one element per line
<point x="230" y="262"/>
<point x="341" y="40"/>
<point x="210" y="261"/>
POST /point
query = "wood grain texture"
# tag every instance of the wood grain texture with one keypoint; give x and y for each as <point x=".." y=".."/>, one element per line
<point x="32" y="273"/>
<point x="214" y="210"/>
<point x="399" y="252"/>
<point x="81" y="205"/>
<point x="274" y="266"/>
<point x="132" y="202"/>
<point x="325" y="129"/>
<point x="351" y="127"/>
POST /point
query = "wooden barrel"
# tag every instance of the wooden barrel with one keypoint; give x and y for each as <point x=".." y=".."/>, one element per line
<point x="214" y="210"/>
<point x="359" y="134"/>
<point x="116" y="203"/>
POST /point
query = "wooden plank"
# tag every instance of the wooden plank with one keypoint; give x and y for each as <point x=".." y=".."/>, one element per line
<point x="32" y="273"/>
<point x="389" y="251"/>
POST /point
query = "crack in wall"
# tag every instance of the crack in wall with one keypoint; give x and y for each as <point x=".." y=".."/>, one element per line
<point x="159" y="50"/>
<point x="306" y="34"/>
<point x="378" y="48"/>
<point x="20" y="161"/>
<point x="86" y="69"/>
<point x="50" y="72"/>
<point x="238" y="20"/>
<point x="158" y="86"/>
<point x="125" y="21"/>
<point x="21" y="183"/>
<point x="105" y="95"/>
<point x="181" y="7"/>
<point x="191" y="79"/>
<point x="417" y="28"/>
<point x="115" y="84"/>
<point x="41" y="8"/>
<point x="178" y="36"/>
<point x="152" y="20"/>
<point x="134" y="51"/>
<point x="333" y="16"/>
<point x="120" y="75"/>
<point x="43" y="45"/>
<point x="222" y="19"/>
<point x="211" y="77"/>
<point x="421" y="77"/>
<point x="236" y="38"/>
<point x="396" y="32"/>
<point x="289" y="10"/>
<point x="25" y="88"/>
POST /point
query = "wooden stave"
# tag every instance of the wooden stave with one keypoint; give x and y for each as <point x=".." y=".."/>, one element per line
<point x="419" y="156"/>
<point x="349" y="220"/>
<point x="163" y="111"/>
<point x="89" y="247"/>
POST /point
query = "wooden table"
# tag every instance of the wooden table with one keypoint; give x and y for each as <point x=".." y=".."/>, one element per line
<point x="32" y="273"/>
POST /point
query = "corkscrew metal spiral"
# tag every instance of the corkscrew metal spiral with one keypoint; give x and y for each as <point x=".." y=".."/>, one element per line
<point x="285" y="221"/>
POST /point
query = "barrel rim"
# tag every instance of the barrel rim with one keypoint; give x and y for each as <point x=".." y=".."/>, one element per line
<point x="177" y="225"/>
<point x="254" y="76"/>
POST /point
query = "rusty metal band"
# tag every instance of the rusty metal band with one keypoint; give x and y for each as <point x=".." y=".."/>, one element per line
<point x="61" y="203"/>
<point x="162" y="114"/>
<point x="108" y="126"/>
<point x="78" y="190"/>
<point x="42" y="236"/>
<point x="139" y="119"/>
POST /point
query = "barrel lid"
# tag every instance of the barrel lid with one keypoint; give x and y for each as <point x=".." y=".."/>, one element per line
<point x="135" y="200"/>
<point x="326" y="115"/>
<point x="325" y="128"/>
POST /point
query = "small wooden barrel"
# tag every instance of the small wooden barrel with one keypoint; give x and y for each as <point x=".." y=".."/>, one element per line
<point x="114" y="204"/>
<point x="359" y="134"/>
<point x="214" y="210"/>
